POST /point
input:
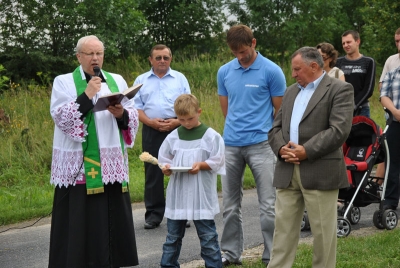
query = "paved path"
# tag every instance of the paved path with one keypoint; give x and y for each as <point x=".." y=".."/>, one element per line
<point x="20" y="248"/>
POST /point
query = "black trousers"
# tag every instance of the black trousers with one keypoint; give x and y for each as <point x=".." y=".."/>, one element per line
<point x="392" y="186"/>
<point x="154" y="199"/>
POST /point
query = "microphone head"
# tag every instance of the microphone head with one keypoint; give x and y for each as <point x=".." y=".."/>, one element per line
<point x="96" y="70"/>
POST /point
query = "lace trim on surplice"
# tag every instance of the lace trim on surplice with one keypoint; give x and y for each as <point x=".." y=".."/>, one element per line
<point x="133" y="124"/>
<point x="67" y="119"/>
<point x="67" y="167"/>
<point x="113" y="165"/>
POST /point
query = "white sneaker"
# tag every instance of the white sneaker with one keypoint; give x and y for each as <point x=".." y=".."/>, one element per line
<point x="226" y="262"/>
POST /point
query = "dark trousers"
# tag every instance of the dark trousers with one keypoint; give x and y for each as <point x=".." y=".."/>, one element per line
<point x="392" y="187"/>
<point x="154" y="199"/>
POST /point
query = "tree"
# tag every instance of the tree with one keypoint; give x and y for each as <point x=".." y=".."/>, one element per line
<point x="117" y="23"/>
<point x="39" y="35"/>
<point x="282" y="26"/>
<point x="378" y="35"/>
<point x="268" y="19"/>
<point x="183" y="24"/>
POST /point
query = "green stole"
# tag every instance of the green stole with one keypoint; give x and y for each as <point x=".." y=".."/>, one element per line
<point x="195" y="133"/>
<point x="90" y="147"/>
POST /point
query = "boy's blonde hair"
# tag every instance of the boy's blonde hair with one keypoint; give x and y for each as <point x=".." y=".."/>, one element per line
<point x="186" y="104"/>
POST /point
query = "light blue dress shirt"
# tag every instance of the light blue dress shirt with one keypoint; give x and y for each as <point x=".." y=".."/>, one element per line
<point x="300" y="105"/>
<point x="157" y="95"/>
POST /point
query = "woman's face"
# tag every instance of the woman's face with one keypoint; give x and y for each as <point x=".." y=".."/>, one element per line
<point x="326" y="58"/>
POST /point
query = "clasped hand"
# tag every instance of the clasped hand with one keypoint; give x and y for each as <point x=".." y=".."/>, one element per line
<point x="293" y="153"/>
<point x="163" y="125"/>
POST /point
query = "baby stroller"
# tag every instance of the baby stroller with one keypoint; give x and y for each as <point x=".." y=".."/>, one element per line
<point x="365" y="147"/>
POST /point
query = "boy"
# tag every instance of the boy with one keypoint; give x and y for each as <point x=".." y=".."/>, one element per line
<point x="192" y="195"/>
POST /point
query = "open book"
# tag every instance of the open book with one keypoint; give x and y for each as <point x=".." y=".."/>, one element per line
<point x="115" y="98"/>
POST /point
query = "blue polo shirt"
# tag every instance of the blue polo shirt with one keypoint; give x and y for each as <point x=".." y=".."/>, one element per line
<point x="157" y="95"/>
<point x="249" y="91"/>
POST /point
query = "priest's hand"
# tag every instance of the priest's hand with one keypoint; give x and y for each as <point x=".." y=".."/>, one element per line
<point x="93" y="87"/>
<point x="117" y="110"/>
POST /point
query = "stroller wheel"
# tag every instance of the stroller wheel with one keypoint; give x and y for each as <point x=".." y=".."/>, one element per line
<point x="377" y="219"/>
<point x="305" y="223"/>
<point x="343" y="227"/>
<point x="389" y="219"/>
<point x="354" y="215"/>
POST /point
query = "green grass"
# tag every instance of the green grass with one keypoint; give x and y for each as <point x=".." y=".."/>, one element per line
<point x="380" y="250"/>
<point x="377" y="113"/>
<point x="26" y="142"/>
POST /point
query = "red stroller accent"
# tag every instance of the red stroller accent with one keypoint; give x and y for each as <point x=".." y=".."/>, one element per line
<point x="365" y="147"/>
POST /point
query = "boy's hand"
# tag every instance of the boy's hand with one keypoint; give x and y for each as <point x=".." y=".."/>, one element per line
<point x="195" y="168"/>
<point x="166" y="171"/>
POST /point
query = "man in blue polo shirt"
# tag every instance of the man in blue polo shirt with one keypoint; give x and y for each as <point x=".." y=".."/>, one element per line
<point x="250" y="89"/>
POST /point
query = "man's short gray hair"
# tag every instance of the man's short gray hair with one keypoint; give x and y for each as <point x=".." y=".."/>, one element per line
<point x="85" y="39"/>
<point x="309" y="55"/>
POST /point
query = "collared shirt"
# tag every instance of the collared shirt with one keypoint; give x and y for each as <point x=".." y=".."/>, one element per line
<point x="157" y="95"/>
<point x="300" y="105"/>
<point x="391" y="63"/>
<point x="391" y="87"/>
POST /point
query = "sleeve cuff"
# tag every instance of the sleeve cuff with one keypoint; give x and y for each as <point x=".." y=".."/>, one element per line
<point x="85" y="104"/>
<point x="123" y="122"/>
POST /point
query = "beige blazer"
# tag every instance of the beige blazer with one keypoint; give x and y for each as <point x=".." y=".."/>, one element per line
<point x="323" y="129"/>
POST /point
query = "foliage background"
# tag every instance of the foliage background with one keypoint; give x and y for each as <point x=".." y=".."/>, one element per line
<point x="39" y="35"/>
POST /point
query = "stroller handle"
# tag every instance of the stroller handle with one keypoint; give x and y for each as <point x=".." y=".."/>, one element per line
<point x="389" y="119"/>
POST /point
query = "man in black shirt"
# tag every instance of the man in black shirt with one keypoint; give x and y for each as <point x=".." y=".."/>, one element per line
<point x="359" y="71"/>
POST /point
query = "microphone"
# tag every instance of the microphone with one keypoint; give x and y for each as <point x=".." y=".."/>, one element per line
<point x="96" y="70"/>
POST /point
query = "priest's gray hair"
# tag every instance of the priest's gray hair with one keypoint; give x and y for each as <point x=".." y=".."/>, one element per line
<point x="85" y="39"/>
